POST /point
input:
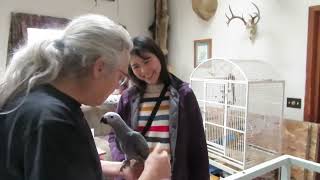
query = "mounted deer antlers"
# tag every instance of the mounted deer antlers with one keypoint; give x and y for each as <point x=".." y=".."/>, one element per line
<point x="250" y="24"/>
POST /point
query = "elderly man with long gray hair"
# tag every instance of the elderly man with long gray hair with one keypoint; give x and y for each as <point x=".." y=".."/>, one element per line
<point x="43" y="133"/>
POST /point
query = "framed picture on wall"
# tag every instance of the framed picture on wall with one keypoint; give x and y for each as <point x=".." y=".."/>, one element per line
<point x="202" y="50"/>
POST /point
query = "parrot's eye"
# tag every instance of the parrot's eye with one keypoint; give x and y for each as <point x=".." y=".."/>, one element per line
<point x="111" y="116"/>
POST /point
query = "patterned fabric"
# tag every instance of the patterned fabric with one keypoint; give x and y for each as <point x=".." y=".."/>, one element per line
<point x="159" y="27"/>
<point x="19" y="24"/>
<point x="159" y="129"/>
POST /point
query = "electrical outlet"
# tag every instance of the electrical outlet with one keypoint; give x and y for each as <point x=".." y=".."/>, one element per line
<point x="294" y="103"/>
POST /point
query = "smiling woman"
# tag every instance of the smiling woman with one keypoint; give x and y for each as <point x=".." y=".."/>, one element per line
<point x="146" y="67"/>
<point x="159" y="105"/>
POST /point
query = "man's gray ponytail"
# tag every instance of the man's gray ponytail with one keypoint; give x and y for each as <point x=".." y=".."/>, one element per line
<point x="35" y="63"/>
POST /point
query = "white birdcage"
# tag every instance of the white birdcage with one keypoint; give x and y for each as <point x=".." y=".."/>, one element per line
<point x="242" y="107"/>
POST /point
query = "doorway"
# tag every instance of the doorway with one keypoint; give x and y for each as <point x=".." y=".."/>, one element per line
<point x="312" y="91"/>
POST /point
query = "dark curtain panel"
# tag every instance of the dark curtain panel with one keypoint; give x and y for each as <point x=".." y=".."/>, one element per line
<point x="21" y="21"/>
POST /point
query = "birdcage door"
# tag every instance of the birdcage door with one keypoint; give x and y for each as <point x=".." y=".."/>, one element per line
<point x="225" y="119"/>
<point x="215" y="107"/>
<point x="236" y="112"/>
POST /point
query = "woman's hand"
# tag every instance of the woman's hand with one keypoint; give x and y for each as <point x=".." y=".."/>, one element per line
<point x="157" y="166"/>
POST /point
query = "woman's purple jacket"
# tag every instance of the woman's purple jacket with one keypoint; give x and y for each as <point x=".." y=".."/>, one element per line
<point x="189" y="155"/>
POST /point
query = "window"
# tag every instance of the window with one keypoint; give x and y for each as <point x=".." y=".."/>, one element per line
<point x="35" y="34"/>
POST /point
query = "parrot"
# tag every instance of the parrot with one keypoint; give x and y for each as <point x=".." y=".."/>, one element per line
<point x="130" y="142"/>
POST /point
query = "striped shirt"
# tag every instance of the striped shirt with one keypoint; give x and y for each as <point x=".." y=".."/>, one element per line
<point x="159" y="129"/>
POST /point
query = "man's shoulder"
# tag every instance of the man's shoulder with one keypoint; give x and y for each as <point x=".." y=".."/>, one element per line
<point x="40" y="101"/>
<point x="44" y="108"/>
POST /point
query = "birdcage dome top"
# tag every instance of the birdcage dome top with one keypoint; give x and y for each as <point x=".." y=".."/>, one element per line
<point x="228" y="69"/>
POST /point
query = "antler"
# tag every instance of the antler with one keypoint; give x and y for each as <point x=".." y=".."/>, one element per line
<point x="256" y="15"/>
<point x="251" y="23"/>
<point x="235" y="17"/>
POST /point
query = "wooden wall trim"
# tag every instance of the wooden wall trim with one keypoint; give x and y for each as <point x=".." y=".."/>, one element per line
<point x="312" y="88"/>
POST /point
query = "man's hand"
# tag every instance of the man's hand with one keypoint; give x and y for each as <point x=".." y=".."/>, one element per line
<point x="134" y="171"/>
<point x="157" y="166"/>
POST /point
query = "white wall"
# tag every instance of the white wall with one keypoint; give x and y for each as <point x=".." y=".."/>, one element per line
<point x="137" y="15"/>
<point x="281" y="40"/>
<point x="313" y="2"/>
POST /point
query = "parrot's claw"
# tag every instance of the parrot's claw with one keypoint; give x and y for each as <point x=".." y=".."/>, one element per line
<point x="125" y="163"/>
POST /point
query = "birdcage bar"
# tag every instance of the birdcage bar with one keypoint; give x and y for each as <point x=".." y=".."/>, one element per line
<point x="226" y="159"/>
<point x="204" y="104"/>
<point x="245" y="126"/>
<point x="217" y="103"/>
<point x="228" y="128"/>
<point x="218" y="81"/>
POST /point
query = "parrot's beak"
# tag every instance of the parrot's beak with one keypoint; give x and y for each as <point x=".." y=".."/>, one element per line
<point x="104" y="120"/>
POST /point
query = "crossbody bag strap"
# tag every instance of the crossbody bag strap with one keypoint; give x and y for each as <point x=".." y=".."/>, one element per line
<point x="154" y="111"/>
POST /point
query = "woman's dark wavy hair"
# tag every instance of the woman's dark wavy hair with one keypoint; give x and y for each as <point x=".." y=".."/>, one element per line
<point x="142" y="45"/>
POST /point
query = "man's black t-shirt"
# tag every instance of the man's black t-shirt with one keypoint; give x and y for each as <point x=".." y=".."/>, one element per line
<point x="47" y="138"/>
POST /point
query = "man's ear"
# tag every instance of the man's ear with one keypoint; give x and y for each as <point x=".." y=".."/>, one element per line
<point x="99" y="68"/>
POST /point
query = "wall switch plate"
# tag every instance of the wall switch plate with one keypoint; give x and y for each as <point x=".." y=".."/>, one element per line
<point x="294" y="103"/>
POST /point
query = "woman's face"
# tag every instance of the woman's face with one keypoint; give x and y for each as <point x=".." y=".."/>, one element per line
<point x="146" y="69"/>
